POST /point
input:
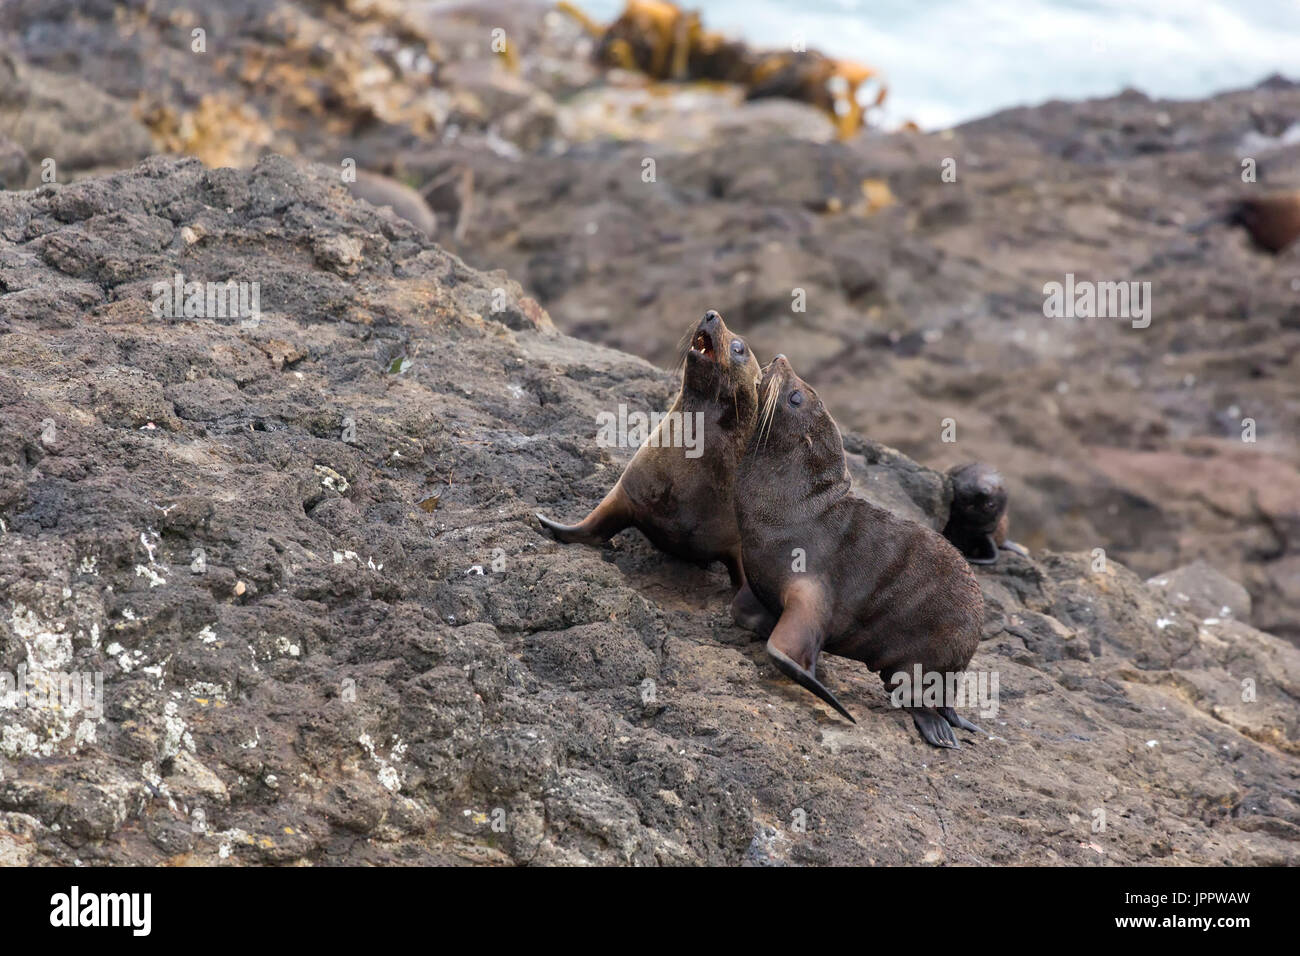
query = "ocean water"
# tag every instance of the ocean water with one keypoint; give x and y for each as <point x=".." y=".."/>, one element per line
<point x="947" y="61"/>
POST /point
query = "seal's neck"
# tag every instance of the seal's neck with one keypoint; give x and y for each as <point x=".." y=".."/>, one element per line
<point x="813" y="472"/>
<point x="730" y="410"/>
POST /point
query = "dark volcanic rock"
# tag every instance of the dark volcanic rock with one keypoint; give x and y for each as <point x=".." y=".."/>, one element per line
<point x="910" y="297"/>
<point x="298" y="547"/>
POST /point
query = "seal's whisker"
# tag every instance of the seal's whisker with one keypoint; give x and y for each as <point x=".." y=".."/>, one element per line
<point x="769" y="411"/>
<point x="683" y="348"/>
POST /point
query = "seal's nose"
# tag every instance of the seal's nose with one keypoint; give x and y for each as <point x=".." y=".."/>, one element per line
<point x="712" y="317"/>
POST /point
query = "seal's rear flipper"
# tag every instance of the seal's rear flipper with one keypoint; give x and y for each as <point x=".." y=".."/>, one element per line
<point x="983" y="551"/>
<point x="568" y="533"/>
<point x="801" y="677"/>
<point x="748" y="612"/>
<point x="607" y="519"/>
<point x="1019" y="549"/>
<point x="933" y="728"/>
<point x="957" y="720"/>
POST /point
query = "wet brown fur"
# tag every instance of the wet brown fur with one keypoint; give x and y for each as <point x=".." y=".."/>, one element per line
<point x="877" y="588"/>
<point x="684" y="506"/>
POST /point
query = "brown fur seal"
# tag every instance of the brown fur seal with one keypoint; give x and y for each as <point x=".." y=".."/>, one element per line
<point x="684" y="504"/>
<point x="381" y="191"/>
<point x="977" y="520"/>
<point x="1272" y="221"/>
<point x="874" y="587"/>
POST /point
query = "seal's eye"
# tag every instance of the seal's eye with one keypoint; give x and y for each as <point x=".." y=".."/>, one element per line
<point x="738" y="347"/>
<point x="796" y="398"/>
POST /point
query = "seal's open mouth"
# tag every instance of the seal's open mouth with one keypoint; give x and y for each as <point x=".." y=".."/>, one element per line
<point x="703" y="343"/>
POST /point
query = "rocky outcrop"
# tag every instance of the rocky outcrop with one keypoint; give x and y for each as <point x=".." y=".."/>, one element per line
<point x="298" y="548"/>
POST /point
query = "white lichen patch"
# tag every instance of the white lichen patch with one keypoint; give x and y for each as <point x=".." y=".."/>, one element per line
<point x="206" y="635"/>
<point x="226" y="840"/>
<point x="155" y="579"/>
<point x="206" y="692"/>
<point x="331" y="479"/>
<point x="40" y="718"/>
<point x="155" y="780"/>
<point x="175" y="733"/>
<point x="18" y="741"/>
<point x="48" y="643"/>
<point x="284" y="646"/>
<point x="148" y="540"/>
<point x="389" y="778"/>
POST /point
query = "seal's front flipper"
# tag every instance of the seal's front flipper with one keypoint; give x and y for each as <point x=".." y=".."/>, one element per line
<point x="1019" y="549"/>
<point x="933" y="728"/>
<point x="609" y="518"/>
<point x="957" y="720"/>
<point x="748" y="612"/>
<point x="806" y="680"/>
<point x="797" y="640"/>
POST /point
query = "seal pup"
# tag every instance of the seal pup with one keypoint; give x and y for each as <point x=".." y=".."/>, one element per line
<point x="836" y="572"/>
<point x="684" y="504"/>
<point x="405" y="202"/>
<point x="1272" y="221"/>
<point x="977" y="520"/>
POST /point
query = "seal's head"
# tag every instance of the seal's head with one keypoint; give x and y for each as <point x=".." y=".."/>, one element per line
<point x="979" y="498"/>
<point x="721" y="367"/>
<point x="793" y="420"/>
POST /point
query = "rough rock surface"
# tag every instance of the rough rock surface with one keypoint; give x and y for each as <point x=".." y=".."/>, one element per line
<point x="301" y="553"/>
<point x="923" y="298"/>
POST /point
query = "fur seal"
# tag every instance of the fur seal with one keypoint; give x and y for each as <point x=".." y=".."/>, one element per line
<point x="684" y="504"/>
<point x="1273" y="221"/>
<point x="836" y="573"/>
<point x="977" y="520"/>
<point x="405" y="202"/>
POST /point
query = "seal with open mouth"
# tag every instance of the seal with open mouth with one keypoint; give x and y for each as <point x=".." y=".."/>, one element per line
<point x="683" y="504"/>
<point x="977" y="520"/>
<point x="836" y="573"/>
